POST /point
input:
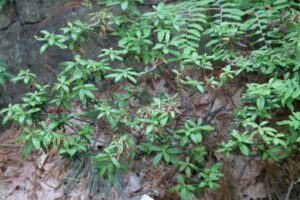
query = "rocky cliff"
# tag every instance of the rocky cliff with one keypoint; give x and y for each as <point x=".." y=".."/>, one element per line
<point x="20" y="20"/>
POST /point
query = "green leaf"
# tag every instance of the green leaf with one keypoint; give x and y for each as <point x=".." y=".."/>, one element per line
<point x="21" y="137"/>
<point x="115" y="162"/>
<point x="244" y="149"/>
<point x="36" y="143"/>
<point x="197" y="26"/>
<point x="89" y="94"/>
<point x="157" y="158"/>
<point x="280" y="1"/>
<point x="166" y="156"/>
<point x="43" y="48"/>
<point x="296" y="93"/>
<point x="235" y="134"/>
<point x="160" y="35"/>
<point x="77" y="74"/>
<point x="131" y="78"/>
<point x="174" y="150"/>
<point x="298" y="53"/>
<point x="103" y="170"/>
<point x="164" y="121"/>
<point x="188" y="172"/>
<point x="194" y="32"/>
<point x="202" y="184"/>
<point x="196" y="138"/>
<point x="260" y="102"/>
<point x="184" y="140"/>
<point x="27" y="148"/>
<point x="184" y="193"/>
<point x="200" y="89"/>
<point x="212" y="42"/>
<point x="72" y="151"/>
<point x="149" y="129"/>
<point x="124" y="5"/>
<point x="207" y="128"/>
<point x="235" y="11"/>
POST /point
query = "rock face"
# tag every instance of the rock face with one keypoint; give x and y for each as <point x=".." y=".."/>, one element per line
<point x="20" y="20"/>
<point x="7" y="17"/>
<point x="32" y="11"/>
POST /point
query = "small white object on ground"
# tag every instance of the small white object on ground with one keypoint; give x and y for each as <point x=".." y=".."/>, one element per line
<point x="146" y="197"/>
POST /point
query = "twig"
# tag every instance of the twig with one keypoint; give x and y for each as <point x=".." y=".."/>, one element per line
<point x="208" y="118"/>
<point x="10" y="145"/>
<point x="50" y="69"/>
<point x="267" y="182"/>
<point x="289" y="190"/>
<point x="243" y="170"/>
<point x="212" y="103"/>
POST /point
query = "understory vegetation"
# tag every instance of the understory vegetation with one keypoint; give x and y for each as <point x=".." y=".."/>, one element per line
<point x="3" y="3"/>
<point x="4" y="74"/>
<point x="198" y="47"/>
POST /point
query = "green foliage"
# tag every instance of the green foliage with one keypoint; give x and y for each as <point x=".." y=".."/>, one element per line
<point x="192" y="131"/>
<point x="118" y="155"/>
<point x="210" y="176"/>
<point x="52" y="40"/>
<point x="241" y="38"/>
<point x="4" y="74"/>
<point x="163" y="151"/>
<point x="186" y="190"/>
<point x="240" y="141"/>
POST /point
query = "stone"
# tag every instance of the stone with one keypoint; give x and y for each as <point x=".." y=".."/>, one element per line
<point x="146" y="197"/>
<point x="7" y="16"/>
<point x="19" y="23"/>
<point x="256" y="191"/>
<point x="133" y="184"/>
<point x="31" y="11"/>
<point x="11" y="171"/>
